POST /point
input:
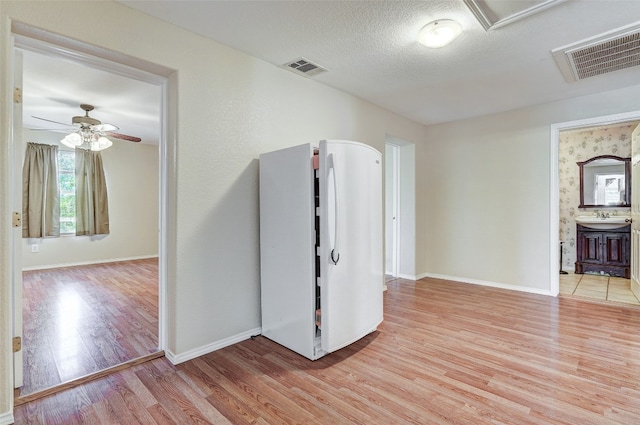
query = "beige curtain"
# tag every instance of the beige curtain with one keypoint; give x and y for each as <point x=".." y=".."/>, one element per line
<point x="92" y="205"/>
<point x="40" y="194"/>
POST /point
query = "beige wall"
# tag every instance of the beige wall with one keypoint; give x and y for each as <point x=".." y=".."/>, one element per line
<point x="230" y="108"/>
<point x="132" y="175"/>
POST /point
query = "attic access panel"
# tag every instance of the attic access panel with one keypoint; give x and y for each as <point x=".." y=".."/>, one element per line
<point x="496" y="13"/>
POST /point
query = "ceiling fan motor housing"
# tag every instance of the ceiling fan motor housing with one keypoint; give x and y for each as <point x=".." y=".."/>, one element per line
<point x="86" y="120"/>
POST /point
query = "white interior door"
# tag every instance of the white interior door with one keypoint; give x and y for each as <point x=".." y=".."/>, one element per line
<point x="391" y="192"/>
<point x="635" y="211"/>
<point x="351" y="251"/>
<point x="16" y="185"/>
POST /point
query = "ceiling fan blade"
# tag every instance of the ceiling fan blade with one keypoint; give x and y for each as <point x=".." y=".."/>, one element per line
<point x="123" y="137"/>
<point x="105" y="127"/>
<point x="53" y="130"/>
<point x="55" y="122"/>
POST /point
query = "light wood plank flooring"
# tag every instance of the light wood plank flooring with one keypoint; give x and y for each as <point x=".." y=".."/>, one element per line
<point x="80" y="320"/>
<point x="447" y="353"/>
<point x="600" y="288"/>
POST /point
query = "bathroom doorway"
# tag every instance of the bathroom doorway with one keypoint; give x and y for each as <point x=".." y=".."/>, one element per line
<point x="579" y="142"/>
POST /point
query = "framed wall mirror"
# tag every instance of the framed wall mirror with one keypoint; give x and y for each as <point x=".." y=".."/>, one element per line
<point x="605" y="182"/>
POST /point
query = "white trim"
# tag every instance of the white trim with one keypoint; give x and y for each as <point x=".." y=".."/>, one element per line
<point x="487" y="283"/>
<point x="6" y="418"/>
<point x="86" y="263"/>
<point x="15" y="179"/>
<point x="554" y="186"/>
<point x="209" y="348"/>
<point x="46" y="43"/>
<point x="168" y="122"/>
<point x="406" y="276"/>
<point x="476" y="7"/>
<point x="554" y="213"/>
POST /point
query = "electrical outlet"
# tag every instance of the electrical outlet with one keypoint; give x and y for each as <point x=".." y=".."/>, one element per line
<point x="35" y="248"/>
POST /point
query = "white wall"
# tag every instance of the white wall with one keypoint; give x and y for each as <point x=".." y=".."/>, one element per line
<point x="485" y="187"/>
<point x="132" y="174"/>
<point x="407" y="263"/>
<point x="230" y="108"/>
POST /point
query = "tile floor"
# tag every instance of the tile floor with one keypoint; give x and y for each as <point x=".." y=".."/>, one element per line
<point x="603" y="288"/>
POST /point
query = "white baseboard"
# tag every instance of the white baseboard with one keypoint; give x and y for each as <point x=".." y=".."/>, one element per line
<point x="401" y="276"/>
<point x="85" y="263"/>
<point x="6" y="418"/>
<point x="209" y="348"/>
<point x="488" y="283"/>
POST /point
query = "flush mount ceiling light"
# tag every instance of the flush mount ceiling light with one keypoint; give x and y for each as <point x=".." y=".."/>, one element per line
<point x="439" y="33"/>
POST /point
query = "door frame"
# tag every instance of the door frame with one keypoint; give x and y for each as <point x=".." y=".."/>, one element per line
<point x="554" y="201"/>
<point x="395" y="201"/>
<point x="30" y="38"/>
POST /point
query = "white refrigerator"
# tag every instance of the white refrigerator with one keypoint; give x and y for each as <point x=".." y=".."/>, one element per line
<point x="321" y="246"/>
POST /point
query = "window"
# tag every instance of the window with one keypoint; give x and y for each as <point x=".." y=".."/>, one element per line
<point x="67" y="180"/>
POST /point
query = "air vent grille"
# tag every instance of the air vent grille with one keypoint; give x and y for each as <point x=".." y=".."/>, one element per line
<point x="600" y="55"/>
<point x="304" y="67"/>
<point x="611" y="56"/>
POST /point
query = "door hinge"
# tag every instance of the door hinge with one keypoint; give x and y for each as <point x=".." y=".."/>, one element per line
<point x="17" y="344"/>
<point x="17" y="219"/>
<point x="17" y="95"/>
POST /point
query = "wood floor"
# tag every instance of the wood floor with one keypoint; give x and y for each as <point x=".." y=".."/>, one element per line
<point x="447" y="353"/>
<point x="79" y="320"/>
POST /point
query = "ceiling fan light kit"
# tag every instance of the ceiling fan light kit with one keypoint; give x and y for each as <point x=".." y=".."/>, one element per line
<point x="439" y="33"/>
<point x="88" y="138"/>
<point x="90" y="134"/>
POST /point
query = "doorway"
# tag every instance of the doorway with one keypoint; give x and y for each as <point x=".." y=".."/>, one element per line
<point x="573" y="142"/>
<point x="77" y="249"/>
<point x="399" y="209"/>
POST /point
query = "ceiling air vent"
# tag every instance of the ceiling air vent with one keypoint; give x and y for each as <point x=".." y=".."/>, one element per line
<point x="304" y="67"/>
<point x="612" y="51"/>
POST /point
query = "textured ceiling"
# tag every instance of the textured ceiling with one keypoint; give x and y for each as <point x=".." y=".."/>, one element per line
<point x="370" y="50"/>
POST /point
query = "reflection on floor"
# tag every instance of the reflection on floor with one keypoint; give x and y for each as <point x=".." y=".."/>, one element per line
<point x="603" y="288"/>
<point x="79" y="320"/>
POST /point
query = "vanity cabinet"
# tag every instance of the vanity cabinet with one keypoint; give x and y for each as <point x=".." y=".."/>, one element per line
<point x="605" y="251"/>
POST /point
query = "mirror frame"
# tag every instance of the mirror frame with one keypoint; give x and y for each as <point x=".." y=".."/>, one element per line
<point x="627" y="181"/>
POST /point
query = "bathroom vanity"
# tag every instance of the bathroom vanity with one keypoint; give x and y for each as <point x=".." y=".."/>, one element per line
<point x="603" y="237"/>
<point x="604" y="250"/>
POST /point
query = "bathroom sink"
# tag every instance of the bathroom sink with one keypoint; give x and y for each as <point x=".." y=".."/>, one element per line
<point x="613" y="222"/>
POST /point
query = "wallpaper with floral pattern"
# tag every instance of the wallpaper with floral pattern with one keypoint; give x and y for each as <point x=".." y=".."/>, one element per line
<point x="577" y="146"/>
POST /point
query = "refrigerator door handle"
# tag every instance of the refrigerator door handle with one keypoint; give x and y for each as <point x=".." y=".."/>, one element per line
<point x="335" y="252"/>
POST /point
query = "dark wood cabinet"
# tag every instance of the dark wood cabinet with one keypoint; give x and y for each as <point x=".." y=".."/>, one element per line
<point x="606" y="251"/>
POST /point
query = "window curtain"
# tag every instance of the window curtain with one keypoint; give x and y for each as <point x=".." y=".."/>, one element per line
<point x="40" y="193"/>
<point x="92" y="205"/>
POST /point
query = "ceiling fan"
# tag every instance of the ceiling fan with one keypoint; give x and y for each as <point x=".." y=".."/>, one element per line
<point x="90" y="133"/>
